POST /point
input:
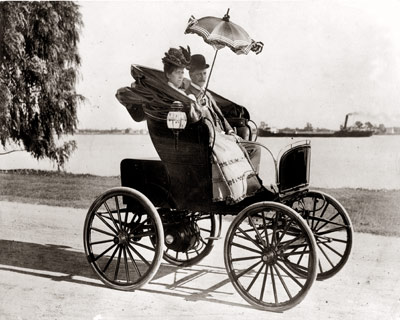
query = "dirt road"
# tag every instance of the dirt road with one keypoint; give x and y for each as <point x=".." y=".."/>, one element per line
<point x="44" y="275"/>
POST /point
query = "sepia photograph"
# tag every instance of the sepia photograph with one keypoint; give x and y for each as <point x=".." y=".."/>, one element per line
<point x="200" y="159"/>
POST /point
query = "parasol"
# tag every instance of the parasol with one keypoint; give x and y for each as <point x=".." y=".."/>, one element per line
<point x="220" y="33"/>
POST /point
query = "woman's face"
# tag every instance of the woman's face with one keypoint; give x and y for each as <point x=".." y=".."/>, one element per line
<point x="176" y="77"/>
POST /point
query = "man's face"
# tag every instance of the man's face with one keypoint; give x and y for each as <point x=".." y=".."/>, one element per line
<point x="199" y="77"/>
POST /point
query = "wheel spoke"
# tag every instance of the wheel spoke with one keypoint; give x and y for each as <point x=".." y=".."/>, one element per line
<point x="104" y="252"/>
<point x="111" y="215"/>
<point x="138" y="254"/>
<point x="325" y="255"/>
<point x="110" y="260"/>
<point x="333" y="250"/>
<point x="332" y="230"/>
<point x="126" y="266"/>
<point x="134" y="262"/>
<point x="102" y="231"/>
<point x="245" y="258"/>
<point x="255" y="278"/>
<point x="118" y="212"/>
<point x="246" y="236"/>
<point x="102" y="241"/>
<point x="273" y="237"/>
<point x="313" y="212"/>
<point x="264" y="282"/>
<point x="142" y="245"/>
<point x="205" y="230"/>
<point x="302" y="255"/>
<point x="283" y="282"/>
<point x="265" y="228"/>
<point x="294" y="265"/>
<point x="273" y="285"/>
<point x="328" y="239"/>
<point x="284" y="232"/>
<point x="247" y="270"/>
<point x="126" y="227"/>
<point x="322" y="213"/>
<point x="245" y="248"/>
<point x="255" y="228"/>
<point x="290" y="275"/>
<point x="330" y="221"/>
<point x="320" y="266"/>
<point x="118" y="263"/>
<point x="106" y="223"/>
<point x="295" y="253"/>
<point x="292" y="244"/>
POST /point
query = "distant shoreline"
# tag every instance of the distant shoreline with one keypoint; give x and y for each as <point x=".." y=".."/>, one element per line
<point x="106" y="132"/>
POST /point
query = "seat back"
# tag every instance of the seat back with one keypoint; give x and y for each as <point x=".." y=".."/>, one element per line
<point x="186" y="157"/>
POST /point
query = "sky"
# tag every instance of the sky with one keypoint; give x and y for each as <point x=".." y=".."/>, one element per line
<point x="321" y="59"/>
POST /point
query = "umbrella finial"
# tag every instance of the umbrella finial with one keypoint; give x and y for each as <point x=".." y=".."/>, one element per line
<point x="226" y="16"/>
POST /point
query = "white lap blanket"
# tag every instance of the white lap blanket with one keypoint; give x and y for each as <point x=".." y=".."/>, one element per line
<point x="233" y="176"/>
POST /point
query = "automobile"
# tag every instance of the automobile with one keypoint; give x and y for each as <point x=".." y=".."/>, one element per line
<point x="278" y="243"/>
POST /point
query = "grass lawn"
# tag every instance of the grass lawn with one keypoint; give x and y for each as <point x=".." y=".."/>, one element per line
<point x="371" y="211"/>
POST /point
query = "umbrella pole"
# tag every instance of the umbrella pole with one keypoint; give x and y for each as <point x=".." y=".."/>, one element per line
<point x="209" y="75"/>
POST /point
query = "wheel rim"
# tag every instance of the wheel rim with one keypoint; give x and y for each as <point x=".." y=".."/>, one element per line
<point x="260" y="246"/>
<point x="119" y="239"/>
<point x="332" y="229"/>
<point x="206" y="223"/>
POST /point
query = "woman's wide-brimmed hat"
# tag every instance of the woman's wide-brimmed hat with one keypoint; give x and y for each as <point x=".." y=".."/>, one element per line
<point x="177" y="57"/>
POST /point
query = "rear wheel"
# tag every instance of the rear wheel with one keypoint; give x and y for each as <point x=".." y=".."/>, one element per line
<point x="189" y="236"/>
<point x="265" y="243"/>
<point x="123" y="238"/>
<point x="332" y="229"/>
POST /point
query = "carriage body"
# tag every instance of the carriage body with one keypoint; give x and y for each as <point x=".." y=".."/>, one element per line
<point x="164" y="209"/>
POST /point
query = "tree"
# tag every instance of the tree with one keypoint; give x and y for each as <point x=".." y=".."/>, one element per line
<point x="39" y="64"/>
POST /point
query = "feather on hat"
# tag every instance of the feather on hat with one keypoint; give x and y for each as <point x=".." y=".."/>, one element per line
<point x="177" y="57"/>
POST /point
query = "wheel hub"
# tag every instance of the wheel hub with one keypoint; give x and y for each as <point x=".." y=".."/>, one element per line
<point x="122" y="238"/>
<point x="269" y="257"/>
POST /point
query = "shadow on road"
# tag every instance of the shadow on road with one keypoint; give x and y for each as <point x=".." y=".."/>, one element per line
<point x="63" y="263"/>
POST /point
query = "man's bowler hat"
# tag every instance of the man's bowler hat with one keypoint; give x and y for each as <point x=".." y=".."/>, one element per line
<point x="197" y="62"/>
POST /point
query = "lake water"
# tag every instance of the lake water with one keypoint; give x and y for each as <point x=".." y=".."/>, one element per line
<point x="372" y="163"/>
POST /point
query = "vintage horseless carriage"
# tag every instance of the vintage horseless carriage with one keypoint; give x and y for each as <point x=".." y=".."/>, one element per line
<point x="277" y="244"/>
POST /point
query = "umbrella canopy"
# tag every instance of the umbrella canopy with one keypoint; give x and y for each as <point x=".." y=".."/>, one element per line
<point x="220" y="33"/>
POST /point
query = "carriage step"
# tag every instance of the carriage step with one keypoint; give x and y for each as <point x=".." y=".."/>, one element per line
<point x="213" y="238"/>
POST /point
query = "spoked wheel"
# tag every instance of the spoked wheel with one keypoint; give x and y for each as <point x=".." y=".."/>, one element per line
<point x="332" y="229"/>
<point x="264" y="244"/>
<point x="123" y="238"/>
<point x="189" y="236"/>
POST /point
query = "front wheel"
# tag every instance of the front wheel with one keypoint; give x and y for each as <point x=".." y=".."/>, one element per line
<point x="123" y="238"/>
<point x="265" y="247"/>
